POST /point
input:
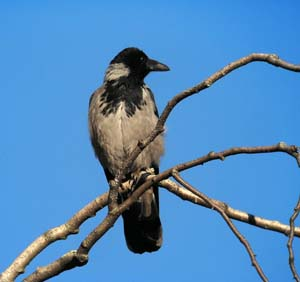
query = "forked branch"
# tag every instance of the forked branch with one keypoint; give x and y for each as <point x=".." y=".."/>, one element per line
<point x="222" y="212"/>
<point x="79" y="257"/>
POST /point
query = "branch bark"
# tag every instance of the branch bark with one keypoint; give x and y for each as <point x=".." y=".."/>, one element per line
<point x="290" y="241"/>
<point x="242" y="216"/>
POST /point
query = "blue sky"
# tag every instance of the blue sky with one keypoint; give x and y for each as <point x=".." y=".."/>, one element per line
<point x="53" y="56"/>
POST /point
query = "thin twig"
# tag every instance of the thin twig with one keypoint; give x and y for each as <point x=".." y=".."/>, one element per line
<point x="290" y="241"/>
<point x="235" y="231"/>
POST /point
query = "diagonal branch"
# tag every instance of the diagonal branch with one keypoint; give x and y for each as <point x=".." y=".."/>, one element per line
<point x="290" y="241"/>
<point x="67" y="261"/>
<point x="242" y="216"/>
<point x="52" y="235"/>
<point x="235" y="231"/>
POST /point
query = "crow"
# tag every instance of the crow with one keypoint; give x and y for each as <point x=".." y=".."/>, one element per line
<point x="121" y="113"/>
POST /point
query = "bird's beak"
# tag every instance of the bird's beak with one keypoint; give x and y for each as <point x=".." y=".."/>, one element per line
<point x="153" y="65"/>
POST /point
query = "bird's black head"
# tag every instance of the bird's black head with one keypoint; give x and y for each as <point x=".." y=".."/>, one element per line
<point x="132" y="62"/>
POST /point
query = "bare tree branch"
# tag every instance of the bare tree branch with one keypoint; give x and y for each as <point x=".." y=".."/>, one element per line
<point x="232" y="213"/>
<point x="72" y="257"/>
<point x="290" y="241"/>
<point x="61" y="265"/>
<point x="52" y="235"/>
<point x="65" y="262"/>
<point x="42" y="273"/>
<point x="291" y="150"/>
<point x="107" y="223"/>
<point x="235" y="231"/>
<point x="73" y="224"/>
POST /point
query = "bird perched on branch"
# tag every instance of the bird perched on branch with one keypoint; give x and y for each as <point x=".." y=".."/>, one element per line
<point x="121" y="113"/>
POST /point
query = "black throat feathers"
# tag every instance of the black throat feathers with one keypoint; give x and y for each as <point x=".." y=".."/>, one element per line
<point x="127" y="91"/>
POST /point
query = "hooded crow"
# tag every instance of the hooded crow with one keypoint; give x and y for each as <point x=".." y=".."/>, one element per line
<point x="121" y="113"/>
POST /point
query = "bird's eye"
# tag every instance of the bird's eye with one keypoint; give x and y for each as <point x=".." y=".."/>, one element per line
<point x="142" y="59"/>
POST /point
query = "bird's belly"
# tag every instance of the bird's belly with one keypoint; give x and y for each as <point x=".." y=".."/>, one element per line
<point x="123" y="132"/>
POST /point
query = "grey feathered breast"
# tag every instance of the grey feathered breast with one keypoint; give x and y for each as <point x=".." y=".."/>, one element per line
<point x="115" y="133"/>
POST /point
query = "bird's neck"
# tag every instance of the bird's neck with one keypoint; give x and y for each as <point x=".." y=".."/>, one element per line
<point x="129" y="93"/>
<point x="118" y="74"/>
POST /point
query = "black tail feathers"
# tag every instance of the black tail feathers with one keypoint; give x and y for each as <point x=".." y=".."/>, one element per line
<point x="142" y="226"/>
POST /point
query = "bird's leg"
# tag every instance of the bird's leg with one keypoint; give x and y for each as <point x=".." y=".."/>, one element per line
<point x="126" y="186"/>
<point x="125" y="190"/>
<point x="142" y="176"/>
